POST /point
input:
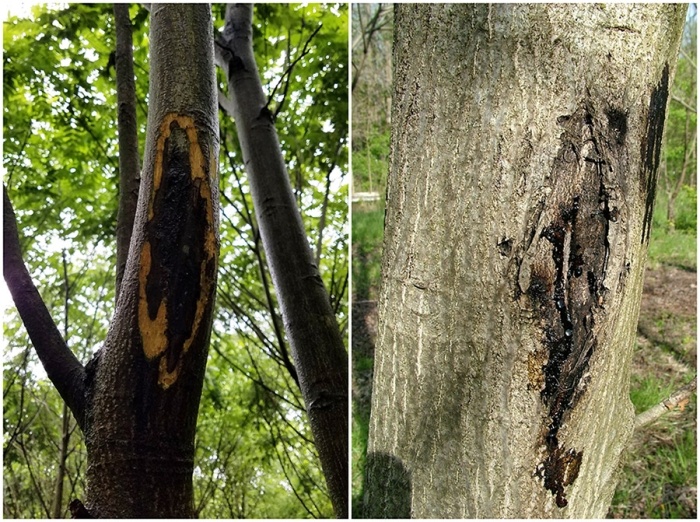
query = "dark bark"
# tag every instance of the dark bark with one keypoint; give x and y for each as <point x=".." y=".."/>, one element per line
<point x="148" y="377"/>
<point x="311" y="326"/>
<point x="128" y="138"/>
<point x="62" y="367"/>
<point x="137" y="400"/>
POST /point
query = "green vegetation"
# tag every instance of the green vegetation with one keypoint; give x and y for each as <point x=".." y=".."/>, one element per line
<point x="372" y="26"/>
<point x="371" y="161"/>
<point x="360" y="434"/>
<point x="367" y="237"/>
<point x="659" y="476"/>
<point x="675" y="243"/>
<point x="647" y="391"/>
<point x="255" y="457"/>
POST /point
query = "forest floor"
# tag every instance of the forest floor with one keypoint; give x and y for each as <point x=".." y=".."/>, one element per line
<point x="659" y="472"/>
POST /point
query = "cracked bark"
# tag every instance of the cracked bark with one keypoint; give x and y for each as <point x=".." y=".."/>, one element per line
<point x="524" y="156"/>
<point x="137" y="400"/>
<point x="148" y="377"/>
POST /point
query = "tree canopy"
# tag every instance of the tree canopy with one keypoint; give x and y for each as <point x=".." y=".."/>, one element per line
<point x="255" y="455"/>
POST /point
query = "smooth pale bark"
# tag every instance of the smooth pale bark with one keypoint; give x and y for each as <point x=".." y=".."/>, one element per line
<point x="317" y="347"/>
<point x="525" y="146"/>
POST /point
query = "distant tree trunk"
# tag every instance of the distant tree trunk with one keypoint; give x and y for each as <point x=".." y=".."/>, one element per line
<point x="57" y="506"/>
<point x="137" y="400"/>
<point x="525" y="141"/>
<point x="317" y="346"/>
<point x="674" y="189"/>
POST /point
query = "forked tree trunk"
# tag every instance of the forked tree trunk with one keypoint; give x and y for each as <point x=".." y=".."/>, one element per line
<point x="148" y="379"/>
<point x="525" y="145"/>
<point x="137" y="400"/>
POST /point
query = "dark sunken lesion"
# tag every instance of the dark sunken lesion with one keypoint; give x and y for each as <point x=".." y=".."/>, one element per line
<point x="177" y="244"/>
<point x="558" y="470"/>
<point x="651" y="148"/>
<point x="570" y="293"/>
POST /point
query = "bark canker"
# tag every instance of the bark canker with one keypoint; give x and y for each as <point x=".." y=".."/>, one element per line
<point x="564" y="278"/>
<point x="178" y="261"/>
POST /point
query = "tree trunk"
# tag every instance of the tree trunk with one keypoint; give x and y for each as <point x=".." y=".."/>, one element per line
<point x="128" y="137"/>
<point x="57" y="506"/>
<point x="137" y="400"/>
<point x="148" y="378"/>
<point x="525" y="147"/>
<point x="310" y="324"/>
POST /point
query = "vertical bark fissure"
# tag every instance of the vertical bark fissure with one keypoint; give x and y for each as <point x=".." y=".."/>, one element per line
<point x="316" y="344"/>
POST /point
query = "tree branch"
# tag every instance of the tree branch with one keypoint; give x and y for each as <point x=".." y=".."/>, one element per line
<point x="62" y="367"/>
<point x="367" y="36"/>
<point x="688" y="57"/>
<point x="676" y="400"/>
<point x="288" y="73"/>
<point x="129" y="170"/>
<point x="682" y="102"/>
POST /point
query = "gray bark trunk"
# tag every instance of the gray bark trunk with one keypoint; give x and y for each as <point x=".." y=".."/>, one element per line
<point x="310" y="324"/>
<point x="525" y="147"/>
<point x="128" y="137"/>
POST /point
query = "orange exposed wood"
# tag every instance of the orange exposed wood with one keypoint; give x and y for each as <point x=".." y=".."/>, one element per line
<point x="154" y="332"/>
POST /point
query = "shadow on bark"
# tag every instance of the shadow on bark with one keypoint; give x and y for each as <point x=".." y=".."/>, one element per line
<point x="387" y="487"/>
<point x="364" y="327"/>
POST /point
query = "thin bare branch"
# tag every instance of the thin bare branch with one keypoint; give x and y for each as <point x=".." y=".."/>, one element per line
<point x="676" y="400"/>
<point x="685" y="104"/>
<point x="690" y="59"/>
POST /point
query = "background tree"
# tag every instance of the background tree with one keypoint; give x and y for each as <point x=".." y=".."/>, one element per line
<point x="317" y="346"/>
<point x="678" y="172"/>
<point x="268" y="467"/>
<point x="372" y="30"/>
<point x="506" y="394"/>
